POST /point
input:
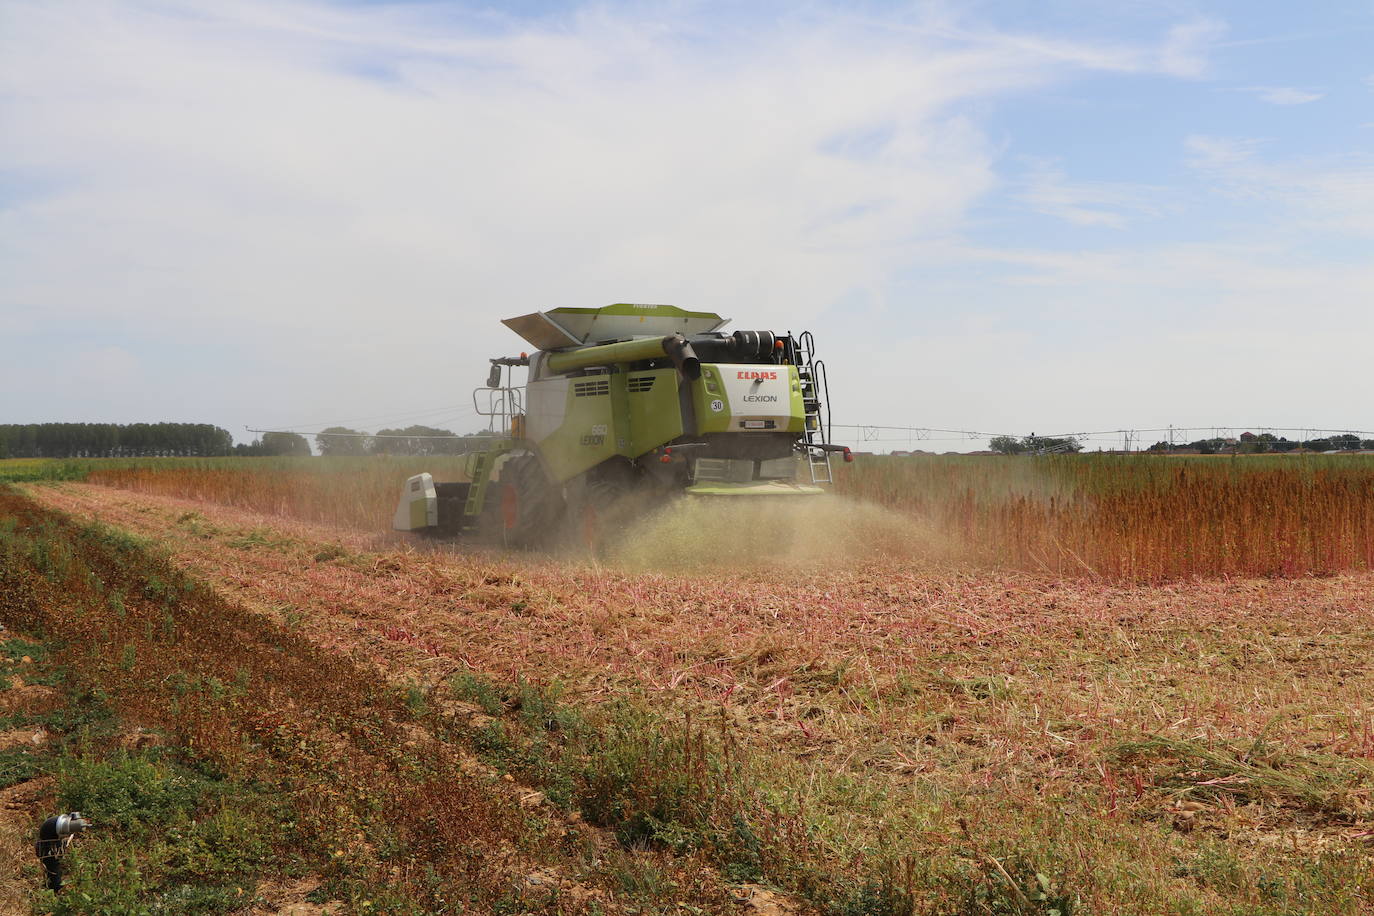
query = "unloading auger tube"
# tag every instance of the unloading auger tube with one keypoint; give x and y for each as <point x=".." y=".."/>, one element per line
<point x="646" y="399"/>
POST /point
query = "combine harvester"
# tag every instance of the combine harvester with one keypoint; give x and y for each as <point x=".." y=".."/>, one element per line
<point x="627" y="406"/>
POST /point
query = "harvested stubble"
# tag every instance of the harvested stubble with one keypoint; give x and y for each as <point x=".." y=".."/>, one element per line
<point x="394" y="815"/>
<point x="951" y="734"/>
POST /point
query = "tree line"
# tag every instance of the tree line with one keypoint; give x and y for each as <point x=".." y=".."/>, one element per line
<point x="1244" y="444"/>
<point x="113" y="440"/>
<point x="202" y="440"/>
<point x="1249" y="443"/>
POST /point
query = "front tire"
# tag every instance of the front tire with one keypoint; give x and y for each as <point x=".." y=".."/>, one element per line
<point x="525" y="508"/>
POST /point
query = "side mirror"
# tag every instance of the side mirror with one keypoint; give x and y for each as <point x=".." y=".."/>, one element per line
<point x="494" y="377"/>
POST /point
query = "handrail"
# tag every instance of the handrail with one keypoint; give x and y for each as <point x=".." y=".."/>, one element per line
<point x="505" y="403"/>
<point x="822" y="386"/>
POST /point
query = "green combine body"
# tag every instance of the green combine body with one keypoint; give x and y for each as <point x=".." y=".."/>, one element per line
<point x="649" y="400"/>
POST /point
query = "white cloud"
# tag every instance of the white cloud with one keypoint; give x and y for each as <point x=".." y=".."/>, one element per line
<point x="1334" y="195"/>
<point x="1094" y="203"/>
<point x="1215" y="152"/>
<point x="357" y="194"/>
<point x="245" y="178"/>
<point x="226" y="158"/>
<point x="1185" y="51"/>
<point x="323" y="210"/>
<point x="1287" y="96"/>
<point x="1281" y="95"/>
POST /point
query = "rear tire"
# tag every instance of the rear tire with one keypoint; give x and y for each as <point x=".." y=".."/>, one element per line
<point x="603" y="507"/>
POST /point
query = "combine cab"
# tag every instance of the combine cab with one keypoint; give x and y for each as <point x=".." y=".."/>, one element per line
<point x="629" y="400"/>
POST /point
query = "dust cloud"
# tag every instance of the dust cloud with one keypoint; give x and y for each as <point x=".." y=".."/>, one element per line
<point x="702" y="534"/>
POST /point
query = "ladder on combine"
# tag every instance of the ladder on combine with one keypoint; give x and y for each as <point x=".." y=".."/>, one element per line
<point x="816" y="399"/>
<point x="505" y="407"/>
<point x="479" y="470"/>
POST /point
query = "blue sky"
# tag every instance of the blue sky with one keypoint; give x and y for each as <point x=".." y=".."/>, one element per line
<point x="997" y="216"/>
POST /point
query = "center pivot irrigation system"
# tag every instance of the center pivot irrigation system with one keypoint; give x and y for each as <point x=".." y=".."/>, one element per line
<point x="628" y="400"/>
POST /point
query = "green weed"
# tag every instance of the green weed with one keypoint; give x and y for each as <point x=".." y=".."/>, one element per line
<point x="260" y="539"/>
<point x="473" y="688"/>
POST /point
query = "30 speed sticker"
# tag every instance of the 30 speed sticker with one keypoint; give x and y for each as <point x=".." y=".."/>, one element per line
<point x="717" y="405"/>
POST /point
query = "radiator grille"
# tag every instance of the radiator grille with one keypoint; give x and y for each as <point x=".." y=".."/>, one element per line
<point x="592" y="388"/>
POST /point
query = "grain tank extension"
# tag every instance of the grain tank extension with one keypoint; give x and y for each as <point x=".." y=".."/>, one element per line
<point x="629" y="405"/>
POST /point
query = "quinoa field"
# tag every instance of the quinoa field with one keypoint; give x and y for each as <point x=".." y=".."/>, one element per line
<point x="967" y="685"/>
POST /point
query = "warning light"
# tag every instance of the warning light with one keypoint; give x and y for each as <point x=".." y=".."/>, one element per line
<point x="777" y="345"/>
